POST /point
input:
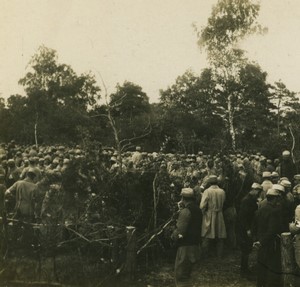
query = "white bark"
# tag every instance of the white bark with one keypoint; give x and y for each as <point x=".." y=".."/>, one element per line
<point x="35" y="129"/>
<point x="231" y="124"/>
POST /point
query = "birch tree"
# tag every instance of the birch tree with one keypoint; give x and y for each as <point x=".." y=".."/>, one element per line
<point x="231" y="21"/>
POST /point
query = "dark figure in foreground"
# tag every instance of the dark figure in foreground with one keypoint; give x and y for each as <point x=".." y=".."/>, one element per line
<point x="244" y="225"/>
<point x="187" y="235"/>
<point x="268" y="227"/>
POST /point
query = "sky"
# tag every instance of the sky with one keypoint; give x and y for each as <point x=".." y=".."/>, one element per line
<point x="147" y="42"/>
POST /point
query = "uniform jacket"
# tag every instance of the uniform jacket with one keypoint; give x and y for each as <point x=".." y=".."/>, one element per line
<point x="268" y="226"/>
<point x="211" y="204"/>
<point x="189" y="225"/>
<point x="247" y="212"/>
<point x="25" y="191"/>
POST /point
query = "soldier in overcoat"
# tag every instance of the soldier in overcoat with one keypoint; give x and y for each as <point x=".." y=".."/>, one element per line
<point x="213" y="225"/>
<point x="267" y="230"/>
<point x="244" y="226"/>
<point x="187" y="236"/>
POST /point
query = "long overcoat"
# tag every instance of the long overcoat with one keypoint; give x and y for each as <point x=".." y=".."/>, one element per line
<point x="267" y="228"/>
<point x="211" y="204"/>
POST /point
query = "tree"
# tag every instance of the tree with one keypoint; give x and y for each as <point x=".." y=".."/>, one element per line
<point x="18" y="118"/>
<point x="55" y="90"/>
<point x="230" y="22"/>
<point x="252" y="117"/>
<point x="189" y="112"/>
<point x="126" y="114"/>
<point x="286" y="111"/>
<point x="129" y="101"/>
<point x="4" y="121"/>
<point x="285" y="102"/>
<point x="130" y="110"/>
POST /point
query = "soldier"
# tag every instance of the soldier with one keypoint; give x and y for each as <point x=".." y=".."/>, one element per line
<point x="187" y="235"/>
<point x="13" y="173"/>
<point x="213" y="225"/>
<point x="296" y="182"/>
<point x="266" y="184"/>
<point x="2" y="194"/>
<point x="274" y="177"/>
<point x="25" y="194"/>
<point x="267" y="227"/>
<point x="52" y="205"/>
<point x="296" y="194"/>
<point x="287" y="168"/>
<point x="244" y="225"/>
<point x="41" y="165"/>
<point x="270" y="167"/>
<point x="18" y="159"/>
<point x="2" y="150"/>
<point x="295" y="230"/>
<point x="287" y="204"/>
<point x="32" y="166"/>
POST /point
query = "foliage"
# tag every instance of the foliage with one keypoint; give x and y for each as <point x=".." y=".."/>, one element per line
<point x="130" y="109"/>
<point x="229" y="105"/>
<point x="230" y="22"/>
<point x="57" y="98"/>
<point x="188" y="110"/>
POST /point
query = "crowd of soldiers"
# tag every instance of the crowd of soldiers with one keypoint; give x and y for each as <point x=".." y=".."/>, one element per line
<point x="245" y="199"/>
<point x="251" y="212"/>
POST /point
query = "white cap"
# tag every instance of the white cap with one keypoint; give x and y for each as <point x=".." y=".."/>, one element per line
<point x="256" y="185"/>
<point x="273" y="192"/>
<point x="278" y="187"/>
<point x="285" y="183"/>
<point x="187" y="192"/>
<point x="266" y="174"/>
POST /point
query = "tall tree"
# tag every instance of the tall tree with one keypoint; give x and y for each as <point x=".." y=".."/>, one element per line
<point x="130" y="110"/>
<point x="253" y="117"/>
<point x="285" y="102"/>
<point x="189" y="111"/>
<point x="54" y="90"/>
<point x="129" y="101"/>
<point x="230" y="22"/>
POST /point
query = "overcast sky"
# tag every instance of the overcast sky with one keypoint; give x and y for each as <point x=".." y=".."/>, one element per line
<point x="148" y="42"/>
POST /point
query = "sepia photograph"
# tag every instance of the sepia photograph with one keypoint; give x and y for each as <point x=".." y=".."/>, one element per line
<point x="149" y="143"/>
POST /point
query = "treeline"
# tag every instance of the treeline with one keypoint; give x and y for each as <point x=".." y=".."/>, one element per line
<point x="230" y="105"/>
<point x="63" y="107"/>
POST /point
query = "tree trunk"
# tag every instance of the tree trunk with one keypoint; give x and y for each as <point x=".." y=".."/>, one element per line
<point x="117" y="140"/>
<point x="231" y="124"/>
<point x="155" y="202"/>
<point x="35" y="128"/>
<point x="130" y="265"/>
<point x="287" y="259"/>
<point x="278" y="118"/>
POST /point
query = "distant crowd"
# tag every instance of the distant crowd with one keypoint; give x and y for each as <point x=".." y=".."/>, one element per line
<point x="46" y="165"/>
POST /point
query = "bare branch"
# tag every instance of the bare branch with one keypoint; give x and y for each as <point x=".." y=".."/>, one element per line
<point x="127" y="146"/>
<point x="117" y="102"/>
<point x="141" y="136"/>
<point x="154" y="235"/>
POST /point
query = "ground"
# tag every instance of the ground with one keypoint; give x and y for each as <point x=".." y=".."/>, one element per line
<point x="211" y="272"/>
